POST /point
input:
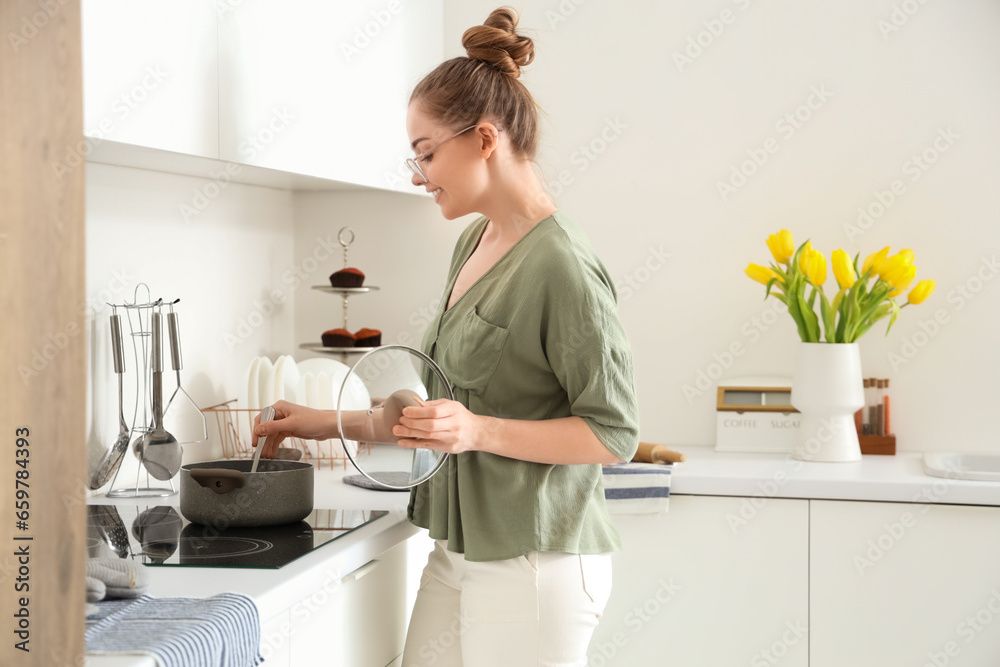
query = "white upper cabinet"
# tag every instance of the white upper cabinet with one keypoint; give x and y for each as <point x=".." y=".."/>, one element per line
<point x="320" y="88"/>
<point x="150" y="74"/>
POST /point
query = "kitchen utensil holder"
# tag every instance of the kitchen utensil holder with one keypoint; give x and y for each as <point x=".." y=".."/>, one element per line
<point x="139" y="316"/>
<point x="235" y="426"/>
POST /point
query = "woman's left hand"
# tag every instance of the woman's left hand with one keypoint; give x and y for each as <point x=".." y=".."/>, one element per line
<point x="441" y="424"/>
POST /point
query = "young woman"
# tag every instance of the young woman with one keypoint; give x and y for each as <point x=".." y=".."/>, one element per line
<point x="528" y="333"/>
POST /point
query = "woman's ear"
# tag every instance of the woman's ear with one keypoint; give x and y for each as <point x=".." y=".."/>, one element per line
<point x="489" y="139"/>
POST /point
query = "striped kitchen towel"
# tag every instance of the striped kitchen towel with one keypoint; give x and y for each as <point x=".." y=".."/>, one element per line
<point x="637" y="488"/>
<point x="218" y="631"/>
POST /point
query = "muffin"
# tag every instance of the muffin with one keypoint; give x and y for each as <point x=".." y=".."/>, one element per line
<point x="338" y="338"/>
<point x="349" y="277"/>
<point x="367" y="337"/>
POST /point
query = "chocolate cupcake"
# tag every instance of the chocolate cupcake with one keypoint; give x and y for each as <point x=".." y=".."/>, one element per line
<point x="338" y="338"/>
<point x="349" y="277"/>
<point x="368" y="337"/>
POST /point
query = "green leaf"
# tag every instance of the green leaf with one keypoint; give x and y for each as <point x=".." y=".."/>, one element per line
<point x="828" y="318"/>
<point x="809" y="319"/>
<point x="895" y="314"/>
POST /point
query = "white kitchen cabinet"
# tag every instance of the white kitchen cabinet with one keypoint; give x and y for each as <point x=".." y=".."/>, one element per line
<point x="274" y="640"/>
<point x="715" y="581"/>
<point x="320" y="88"/>
<point x="150" y="76"/>
<point x="359" y="619"/>
<point x="904" y="584"/>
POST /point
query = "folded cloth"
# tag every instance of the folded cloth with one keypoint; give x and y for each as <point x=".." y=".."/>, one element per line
<point x="218" y="631"/>
<point x="122" y="578"/>
<point x="96" y="590"/>
<point x="637" y="488"/>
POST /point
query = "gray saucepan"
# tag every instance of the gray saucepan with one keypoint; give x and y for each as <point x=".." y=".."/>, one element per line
<point x="225" y="494"/>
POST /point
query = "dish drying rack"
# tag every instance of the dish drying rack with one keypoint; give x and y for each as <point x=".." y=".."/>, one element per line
<point x="235" y="427"/>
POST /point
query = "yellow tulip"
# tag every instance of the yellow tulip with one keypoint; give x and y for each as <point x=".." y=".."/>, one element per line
<point x="923" y="290"/>
<point x="890" y="268"/>
<point x="804" y="256"/>
<point x="901" y="279"/>
<point x="873" y="260"/>
<point x="815" y="268"/>
<point x="906" y="254"/>
<point x="782" y="246"/>
<point x="761" y="274"/>
<point x="843" y="269"/>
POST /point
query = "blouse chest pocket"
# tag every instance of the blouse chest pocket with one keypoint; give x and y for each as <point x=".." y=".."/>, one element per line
<point x="470" y="351"/>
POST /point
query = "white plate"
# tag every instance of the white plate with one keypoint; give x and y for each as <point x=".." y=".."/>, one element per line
<point x="300" y="390"/>
<point x="253" y="385"/>
<point x="312" y="391"/>
<point x="286" y="379"/>
<point x="324" y="386"/>
<point x="265" y="380"/>
<point x="319" y="365"/>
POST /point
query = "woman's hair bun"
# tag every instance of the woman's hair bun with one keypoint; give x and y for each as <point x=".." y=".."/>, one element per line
<point x="497" y="43"/>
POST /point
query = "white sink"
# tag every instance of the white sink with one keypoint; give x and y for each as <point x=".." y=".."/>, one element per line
<point x="954" y="465"/>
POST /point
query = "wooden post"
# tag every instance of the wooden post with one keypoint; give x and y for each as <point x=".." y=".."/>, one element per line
<point x="42" y="335"/>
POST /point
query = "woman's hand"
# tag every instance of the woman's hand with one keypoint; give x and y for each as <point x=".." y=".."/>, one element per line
<point x="444" y="425"/>
<point x="291" y="420"/>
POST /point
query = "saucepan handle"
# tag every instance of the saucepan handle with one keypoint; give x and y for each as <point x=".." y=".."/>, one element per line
<point x="220" y="480"/>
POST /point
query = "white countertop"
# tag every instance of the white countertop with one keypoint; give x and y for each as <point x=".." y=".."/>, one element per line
<point x="274" y="590"/>
<point x="897" y="478"/>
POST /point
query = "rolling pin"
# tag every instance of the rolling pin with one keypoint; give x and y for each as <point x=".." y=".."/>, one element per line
<point x="650" y="453"/>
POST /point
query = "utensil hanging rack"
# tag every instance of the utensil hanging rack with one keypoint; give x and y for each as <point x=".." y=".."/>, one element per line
<point x="139" y="315"/>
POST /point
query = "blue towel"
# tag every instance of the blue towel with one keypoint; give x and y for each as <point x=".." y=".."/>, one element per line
<point x="218" y="631"/>
<point x="631" y="488"/>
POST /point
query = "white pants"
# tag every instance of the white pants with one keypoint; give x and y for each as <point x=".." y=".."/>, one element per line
<point x="538" y="609"/>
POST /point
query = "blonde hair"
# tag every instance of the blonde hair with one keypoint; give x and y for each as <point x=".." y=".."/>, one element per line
<point x="484" y="84"/>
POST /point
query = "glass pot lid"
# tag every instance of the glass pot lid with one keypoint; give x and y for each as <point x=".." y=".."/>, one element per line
<point x="388" y="379"/>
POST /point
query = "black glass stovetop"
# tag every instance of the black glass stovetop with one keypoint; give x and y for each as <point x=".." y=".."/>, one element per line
<point x="159" y="535"/>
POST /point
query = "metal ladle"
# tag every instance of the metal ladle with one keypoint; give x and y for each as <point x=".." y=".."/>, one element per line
<point x="161" y="453"/>
<point x="113" y="457"/>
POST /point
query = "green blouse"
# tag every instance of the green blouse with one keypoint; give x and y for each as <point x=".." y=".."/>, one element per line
<point x="536" y="337"/>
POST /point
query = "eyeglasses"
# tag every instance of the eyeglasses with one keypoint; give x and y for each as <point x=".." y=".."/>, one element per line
<point x="413" y="162"/>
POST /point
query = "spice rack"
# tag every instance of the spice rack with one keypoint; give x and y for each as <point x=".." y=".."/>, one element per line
<point x="345" y="293"/>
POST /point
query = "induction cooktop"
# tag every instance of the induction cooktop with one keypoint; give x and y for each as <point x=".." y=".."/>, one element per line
<point x="158" y="535"/>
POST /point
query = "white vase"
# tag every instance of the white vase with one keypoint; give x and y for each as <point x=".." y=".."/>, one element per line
<point x="827" y="389"/>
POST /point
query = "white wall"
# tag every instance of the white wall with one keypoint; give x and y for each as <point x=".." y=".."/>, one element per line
<point x="604" y="67"/>
<point x="221" y="263"/>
